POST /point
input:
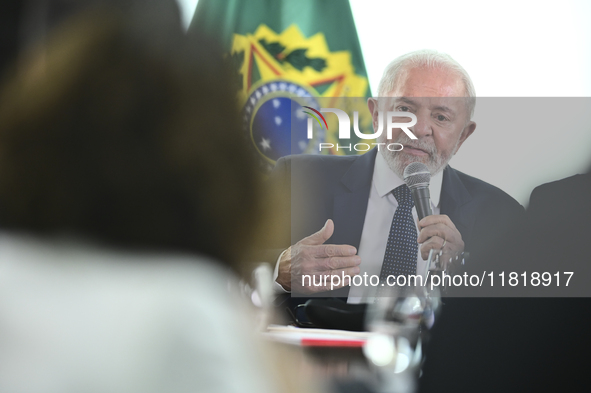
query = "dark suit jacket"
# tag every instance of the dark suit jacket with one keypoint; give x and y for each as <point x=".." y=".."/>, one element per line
<point x="523" y="344"/>
<point x="338" y="187"/>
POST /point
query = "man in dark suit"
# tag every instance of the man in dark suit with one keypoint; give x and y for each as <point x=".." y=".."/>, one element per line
<point x="10" y="18"/>
<point x="353" y="200"/>
<point x="528" y="343"/>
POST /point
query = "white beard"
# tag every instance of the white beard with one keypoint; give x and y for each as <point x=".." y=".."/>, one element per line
<point x="399" y="160"/>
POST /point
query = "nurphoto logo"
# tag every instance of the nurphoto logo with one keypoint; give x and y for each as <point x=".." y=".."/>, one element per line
<point x="392" y="120"/>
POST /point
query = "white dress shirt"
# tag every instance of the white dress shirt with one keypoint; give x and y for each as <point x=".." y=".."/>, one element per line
<point x="378" y="219"/>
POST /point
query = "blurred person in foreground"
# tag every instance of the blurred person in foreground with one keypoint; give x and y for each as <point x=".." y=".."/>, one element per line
<point x="122" y="217"/>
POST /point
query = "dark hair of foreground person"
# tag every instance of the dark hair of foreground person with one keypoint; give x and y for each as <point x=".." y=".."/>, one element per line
<point x="106" y="137"/>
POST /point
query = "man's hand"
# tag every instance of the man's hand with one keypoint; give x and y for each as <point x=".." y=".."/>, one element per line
<point x="310" y="256"/>
<point x="439" y="233"/>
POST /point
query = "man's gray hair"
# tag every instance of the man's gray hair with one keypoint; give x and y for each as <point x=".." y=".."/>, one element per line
<point x="396" y="71"/>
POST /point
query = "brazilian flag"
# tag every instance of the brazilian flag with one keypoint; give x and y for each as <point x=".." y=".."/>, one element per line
<point x="283" y="50"/>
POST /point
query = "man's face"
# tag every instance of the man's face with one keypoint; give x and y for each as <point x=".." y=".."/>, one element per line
<point x="436" y="97"/>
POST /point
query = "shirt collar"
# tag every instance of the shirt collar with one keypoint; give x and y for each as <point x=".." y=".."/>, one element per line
<point x="385" y="180"/>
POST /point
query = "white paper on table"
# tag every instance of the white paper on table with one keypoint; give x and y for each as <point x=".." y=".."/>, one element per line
<point x="294" y="335"/>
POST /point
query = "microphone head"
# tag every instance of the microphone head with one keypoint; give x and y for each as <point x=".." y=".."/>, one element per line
<point x="416" y="174"/>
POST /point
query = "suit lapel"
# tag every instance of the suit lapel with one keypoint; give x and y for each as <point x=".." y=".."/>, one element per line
<point x="352" y="195"/>
<point x="350" y="200"/>
<point x="454" y="198"/>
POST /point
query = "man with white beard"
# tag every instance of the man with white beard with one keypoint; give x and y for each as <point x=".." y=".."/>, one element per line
<point x="345" y="212"/>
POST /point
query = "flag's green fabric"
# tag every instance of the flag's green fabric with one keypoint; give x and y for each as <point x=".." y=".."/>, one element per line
<point x="287" y="48"/>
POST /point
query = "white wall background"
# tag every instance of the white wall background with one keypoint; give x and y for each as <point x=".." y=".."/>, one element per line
<point x="511" y="48"/>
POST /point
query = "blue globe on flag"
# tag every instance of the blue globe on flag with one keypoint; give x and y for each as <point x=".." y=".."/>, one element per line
<point x="276" y="123"/>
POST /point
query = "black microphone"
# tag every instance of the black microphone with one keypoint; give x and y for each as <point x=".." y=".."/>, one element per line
<point x="417" y="178"/>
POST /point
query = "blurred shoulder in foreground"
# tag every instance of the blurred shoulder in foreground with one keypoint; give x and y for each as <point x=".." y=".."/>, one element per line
<point x="77" y="317"/>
